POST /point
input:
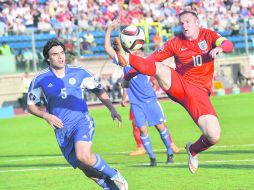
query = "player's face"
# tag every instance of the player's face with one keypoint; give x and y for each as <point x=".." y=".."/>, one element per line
<point x="57" y="57"/>
<point x="189" y="25"/>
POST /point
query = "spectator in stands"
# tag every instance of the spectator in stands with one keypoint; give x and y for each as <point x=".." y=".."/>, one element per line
<point x="85" y="47"/>
<point x="26" y="83"/>
<point x="5" y="49"/>
<point x="40" y="58"/>
<point x="235" y="24"/>
<point x="83" y="21"/>
<point x="116" y="89"/>
<point x="70" y="51"/>
<point x="18" y="26"/>
<point x="36" y="15"/>
<point x="28" y="59"/>
<point x="240" y="80"/>
<point x="64" y="12"/>
<point x="90" y="38"/>
<point x="69" y="46"/>
<point x="20" y="60"/>
<point x="44" y="25"/>
<point x="55" y="14"/>
<point x="3" y="28"/>
<point x="157" y="40"/>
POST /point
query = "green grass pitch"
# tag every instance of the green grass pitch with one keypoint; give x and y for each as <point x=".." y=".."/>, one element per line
<point x="31" y="160"/>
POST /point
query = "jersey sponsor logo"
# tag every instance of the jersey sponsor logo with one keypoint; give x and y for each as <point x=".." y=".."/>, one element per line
<point x="72" y="81"/>
<point x="203" y="45"/>
<point x="183" y="49"/>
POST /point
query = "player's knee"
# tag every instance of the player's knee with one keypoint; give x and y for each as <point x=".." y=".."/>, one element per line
<point x="143" y="131"/>
<point x="214" y="138"/>
<point x="85" y="159"/>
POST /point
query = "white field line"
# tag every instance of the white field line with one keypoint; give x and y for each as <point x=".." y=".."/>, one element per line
<point x="142" y="164"/>
<point x="126" y="152"/>
<point x="36" y="158"/>
<point x="202" y="162"/>
<point x="35" y="169"/>
<point x="213" y="147"/>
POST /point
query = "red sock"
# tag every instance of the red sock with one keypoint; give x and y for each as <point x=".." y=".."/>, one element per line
<point x="144" y="66"/>
<point x="136" y="134"/>
<point x="200" y="145"/>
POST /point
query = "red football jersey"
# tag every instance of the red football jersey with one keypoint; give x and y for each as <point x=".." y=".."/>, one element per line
<point x="192" y="57"/>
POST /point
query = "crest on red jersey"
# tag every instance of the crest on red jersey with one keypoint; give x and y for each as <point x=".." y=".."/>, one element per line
<point x="202" y="45"/>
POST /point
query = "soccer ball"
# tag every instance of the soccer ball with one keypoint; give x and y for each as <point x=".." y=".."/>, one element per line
<point x="132" y="37"/>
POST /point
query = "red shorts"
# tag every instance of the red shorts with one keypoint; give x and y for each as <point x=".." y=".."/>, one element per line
<point x="193" y="98"/>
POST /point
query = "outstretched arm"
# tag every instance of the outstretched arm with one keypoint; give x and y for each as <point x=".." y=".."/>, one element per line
<point x="107" y="45"/>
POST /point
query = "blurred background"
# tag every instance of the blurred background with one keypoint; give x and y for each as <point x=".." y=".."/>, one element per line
<point x="26" y="25"/>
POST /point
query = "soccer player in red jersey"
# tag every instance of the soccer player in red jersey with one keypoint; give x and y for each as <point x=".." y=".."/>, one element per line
<point x="190" y="84"/>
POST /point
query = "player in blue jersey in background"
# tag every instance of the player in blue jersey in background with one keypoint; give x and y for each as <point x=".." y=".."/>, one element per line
<point x="62" y="88"/>
<point x="144" y="104"/>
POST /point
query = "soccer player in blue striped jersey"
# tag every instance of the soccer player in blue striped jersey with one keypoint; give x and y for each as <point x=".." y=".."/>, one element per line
<point x="61" y="87"/>
<point x="144" y="104"/>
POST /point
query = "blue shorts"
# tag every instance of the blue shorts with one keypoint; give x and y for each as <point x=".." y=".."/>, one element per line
<point x="83" y="132"/>
<point x="149" y="113"/>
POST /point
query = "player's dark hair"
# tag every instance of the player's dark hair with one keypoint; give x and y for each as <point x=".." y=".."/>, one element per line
<point x="48" y="46"/>
<point x="188" y="12"/>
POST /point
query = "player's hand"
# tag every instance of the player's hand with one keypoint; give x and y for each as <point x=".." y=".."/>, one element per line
<point x="114" y="24"/>
<point x="123" y="103"/>
<point x="114" y="116"/>
<point x="53" y="121"/>
<point x="215" y="51"/>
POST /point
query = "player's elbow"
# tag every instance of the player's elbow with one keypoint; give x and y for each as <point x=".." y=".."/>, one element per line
<point x="30" y="108"/>
<point x="227" y="46"/>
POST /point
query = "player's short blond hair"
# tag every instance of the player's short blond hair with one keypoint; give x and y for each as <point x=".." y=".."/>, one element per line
<point x="194" y="13"/>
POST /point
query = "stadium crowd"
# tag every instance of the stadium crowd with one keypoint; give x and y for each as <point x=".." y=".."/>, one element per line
<point x="57" y="16"/>
<point x="63" y="17"/>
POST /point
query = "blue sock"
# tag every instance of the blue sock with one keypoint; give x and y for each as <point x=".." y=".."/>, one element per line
<point x="102" y="166"/>
<point x="165" y="139"/>
<point x="101" y="182"/>
<point x="147" y="145"/>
